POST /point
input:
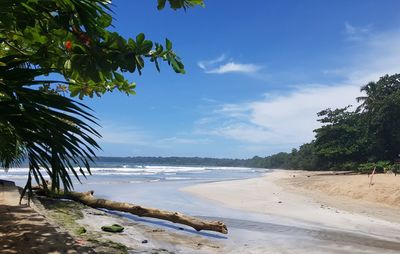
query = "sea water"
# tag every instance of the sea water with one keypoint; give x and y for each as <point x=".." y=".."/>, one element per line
<point x="148" y="185"/>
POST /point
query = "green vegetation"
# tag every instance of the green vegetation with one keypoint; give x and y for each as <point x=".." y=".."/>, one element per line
<point x="71" y="40"/>
<point x="81" y="230"/>
<point x="115" y="228"/>
<point x="363" y="139"/>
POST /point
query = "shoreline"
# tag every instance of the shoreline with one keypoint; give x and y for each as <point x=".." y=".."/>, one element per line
<point x="272" y="213"/>
<point x="305" y="197"/>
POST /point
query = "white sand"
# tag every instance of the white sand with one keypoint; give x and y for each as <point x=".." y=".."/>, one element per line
<point x="276" y="195"/>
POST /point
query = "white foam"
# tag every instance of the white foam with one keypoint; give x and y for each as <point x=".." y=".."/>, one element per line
<point x="20" y="173"/>
<point x="176" y="178"/>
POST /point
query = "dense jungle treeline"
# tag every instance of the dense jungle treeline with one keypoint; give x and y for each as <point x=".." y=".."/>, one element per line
<point x="351" y="138"/>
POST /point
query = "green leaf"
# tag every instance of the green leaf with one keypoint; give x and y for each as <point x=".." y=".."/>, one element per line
<point x="146" y="47"/>
<point x="119" y="77"/>
<point x="168" y="44"/>
<point x="140" y="38"/>
<point x="161" y="4"/>
<point x="105" y="21"/>
<point x="67" y="64"/>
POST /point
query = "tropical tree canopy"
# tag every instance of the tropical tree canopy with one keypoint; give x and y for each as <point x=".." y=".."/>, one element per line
<point x="361" y="139"/>
<point x="71" y="38"/>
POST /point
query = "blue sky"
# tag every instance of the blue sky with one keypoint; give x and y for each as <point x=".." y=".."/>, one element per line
<point x="257" y="73"/>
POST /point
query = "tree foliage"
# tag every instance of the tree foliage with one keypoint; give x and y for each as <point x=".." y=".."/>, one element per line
<point x="342" y="137"/>
<point x="381" y="108"/>
<point x="362" y="139"/>
<point x="72" y="39"/>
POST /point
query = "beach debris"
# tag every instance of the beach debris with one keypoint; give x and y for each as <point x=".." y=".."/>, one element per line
<point x="88" y="199"/>
<point x="145" y="241"/>
<point x="372" y="175"/>
<point x="280" y="202"/>
<point x="115" y="228"/>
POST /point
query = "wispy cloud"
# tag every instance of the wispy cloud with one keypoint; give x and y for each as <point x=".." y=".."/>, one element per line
<point x="373" y="57"/>
<point x="138" y="141"/>
<point x="221" y="65"/>
<point x="235" y="67"/>
<point x="204" y="64"/>
<point x="357" y="33"/>
<point x="180" y="140"/>
<point x="288" y="120"/>
<point x="121" y="134"/>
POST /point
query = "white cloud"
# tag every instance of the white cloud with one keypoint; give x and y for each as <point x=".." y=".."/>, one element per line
<point x="288" y="119"/>
<point x="372" y="58"/>
<point x="204" y="64"/>
<point x="220" y="66"/>
<point x="235" y="67"/>
<point x="357" y="33"/>
<point x="349" y="28"/>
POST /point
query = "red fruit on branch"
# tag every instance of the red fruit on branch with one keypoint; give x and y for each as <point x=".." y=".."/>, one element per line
<point x="68" y="45"/>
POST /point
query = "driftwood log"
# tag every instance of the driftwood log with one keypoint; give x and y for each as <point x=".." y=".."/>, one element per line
<point x="88" y="199"/>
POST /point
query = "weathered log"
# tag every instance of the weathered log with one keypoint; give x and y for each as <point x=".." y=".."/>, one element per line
<point x="88" y="199"/>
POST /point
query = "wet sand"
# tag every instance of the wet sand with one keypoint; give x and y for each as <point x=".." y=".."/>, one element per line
<point x="309" y="211"/>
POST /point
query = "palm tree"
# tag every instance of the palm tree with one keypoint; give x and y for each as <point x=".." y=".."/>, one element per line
<point x="48" y="130"/>
<point x="375" y="92"/>
<point x="371" y="96"/>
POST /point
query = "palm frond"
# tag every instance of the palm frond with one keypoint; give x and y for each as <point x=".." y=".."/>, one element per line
<point x="52" y="131"/>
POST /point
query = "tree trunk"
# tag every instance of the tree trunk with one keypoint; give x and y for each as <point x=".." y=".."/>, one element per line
<point x="88" y="199"/>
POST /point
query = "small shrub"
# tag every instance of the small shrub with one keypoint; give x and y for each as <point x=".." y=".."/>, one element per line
<point x="383" y="166"/>
<point x="366" y="168"/>
<point x="380" y="167"/>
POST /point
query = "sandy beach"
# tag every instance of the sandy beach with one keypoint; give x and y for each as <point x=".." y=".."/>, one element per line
<point x="280" y="212"/>
<point x="340" y="202"/>
<point x="309" y="196"/>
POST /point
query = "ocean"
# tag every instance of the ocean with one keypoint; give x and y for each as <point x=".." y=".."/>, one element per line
<point x="149" y="185"/>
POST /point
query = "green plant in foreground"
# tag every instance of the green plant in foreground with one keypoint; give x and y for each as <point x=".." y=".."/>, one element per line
<point x="48" y="48"/>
